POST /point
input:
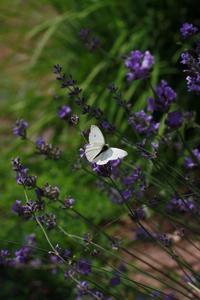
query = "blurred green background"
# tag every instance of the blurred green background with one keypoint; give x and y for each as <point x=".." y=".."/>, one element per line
<point x="35" y="35"/>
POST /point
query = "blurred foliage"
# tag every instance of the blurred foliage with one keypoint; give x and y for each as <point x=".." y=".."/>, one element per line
<point x="35" y="35"/>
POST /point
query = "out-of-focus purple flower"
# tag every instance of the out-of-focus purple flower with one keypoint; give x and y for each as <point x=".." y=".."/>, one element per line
<point x="20" y="128"/>
<point x="133" y="177"/>
<point x="102" y="170"/>
<point x="174" y="119"/>
<point x="139" y="65"/>
<point x="182" y="205"/>
<point x="83" y="287"/>
<point x="92" y="43"/>
<point x="143" y="123"/>
<point x="115" y="280"/>
<point x="69" y="202"/>
<point x="150" y="104"/>
<point x="193" y="82"/>
<point x="165" y="96"/>
<point x="22" y="255"/>
<point x="186" y="58"/>
<point x="83" y="267"/>
<point x="64" y="112"/>
<point x="187" y="30"/>
<point x="126" y="194"/>
<point x="47" y="149"/>
<point x="189" y="161"/>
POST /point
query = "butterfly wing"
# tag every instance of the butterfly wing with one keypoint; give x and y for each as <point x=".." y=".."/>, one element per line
<point x="96" y="136"/>
<point x="110" y="154"/>
<point x="92" y="150"/>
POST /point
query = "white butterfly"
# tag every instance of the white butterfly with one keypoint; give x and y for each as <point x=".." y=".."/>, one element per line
<point x="97" y="151"/>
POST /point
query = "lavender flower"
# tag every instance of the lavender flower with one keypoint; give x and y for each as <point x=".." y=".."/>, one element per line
<point x="193" y="82"/>
<point x="20" y="128"/>
<point x="92" y="43"/>
<point x="26" y="210"/>
<point x="133" y="177"/>
<point x="51" y="192"/>
<point x="69" y="202"/>
<point x="115" y="280"/>
<point x="178" y="205"/>
<point x="174" y="119"/>
<point x="64" y="112"/>
<point x="143" y="123"/>
<point x="49" y="220"/>
<point x="83" y="267"/>
<point x="165" y="96"/>
<point x="47" y="150"/>
<point x="187" y="30"/>
<point x="22" y="176"/>
<point x="189" y="161"/>
<point x="139" y="65"/>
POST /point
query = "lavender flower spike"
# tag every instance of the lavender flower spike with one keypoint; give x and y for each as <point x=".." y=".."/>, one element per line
<point x="139" y="65"/>
<point x="187" y="30"/>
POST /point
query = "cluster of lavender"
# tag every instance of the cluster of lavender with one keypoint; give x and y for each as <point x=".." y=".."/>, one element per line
<point x="190" y="59"/>
<point x="150" y="188"/>
<point x="75" y="96"/>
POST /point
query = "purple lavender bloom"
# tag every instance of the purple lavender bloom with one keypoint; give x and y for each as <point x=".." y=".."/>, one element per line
<point x="186" y="58"/>
<point x="24" y="210"/>
<point x="165" y="96"/>
<point x="64" y="112"/>
<point x="139" y="65"/>
<point x="133" y="177"/>
<point x="174" y="119"/>
<point x="150" y="104"/>
<point x="189" y="162"/>
<point x="51" y="192"/>
<point x="193" y="82"/>
<point x="182" y="205"/>
<point x="69" y="202"/>
<point x="22" y="177"/>
<point x="143" y="123"/>
<point x="187" y="30"/>
<point x="20" y="128"/>
<point x="83" y="267"/>
<point x="22" y="255"/>
<point x="126" y="194"/>
<point x="47" y="149"/>
<point x="83" y="287"/>
<point x="102" y="170"/>
<point x="115" y="280"/>
<point x="49" y="220"/>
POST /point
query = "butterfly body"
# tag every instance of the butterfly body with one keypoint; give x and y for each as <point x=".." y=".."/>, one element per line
<point x="97" y="151"/>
